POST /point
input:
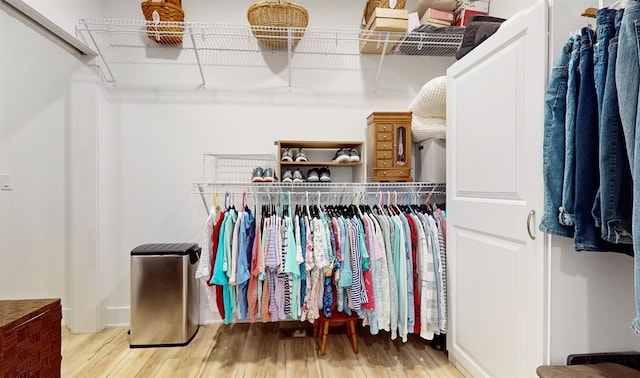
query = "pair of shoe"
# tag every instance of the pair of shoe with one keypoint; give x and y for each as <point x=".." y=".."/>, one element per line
<point x="347" y="155"/>
<point x="263" y="175"/>
<point x="292" y="154"/>
<point x="292" y="176"/>
<point x="319" y="174"/>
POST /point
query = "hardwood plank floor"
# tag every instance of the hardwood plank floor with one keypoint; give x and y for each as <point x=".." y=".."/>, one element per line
<point x="256" y="350"/>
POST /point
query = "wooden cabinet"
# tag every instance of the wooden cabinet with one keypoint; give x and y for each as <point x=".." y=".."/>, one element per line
<point x="320" y="154"/>
<point x="30" y="338"/>
<point x="389" y="146"/>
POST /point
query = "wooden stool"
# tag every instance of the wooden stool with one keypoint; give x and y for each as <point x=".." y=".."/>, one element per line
<point x="321" y="329"/>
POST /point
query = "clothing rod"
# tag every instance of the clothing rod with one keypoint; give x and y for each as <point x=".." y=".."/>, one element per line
<point x="326" y="194"/>
<point x="210" y="188"/>
<point x="323" y="198"/>
<point x="317" y="191"/>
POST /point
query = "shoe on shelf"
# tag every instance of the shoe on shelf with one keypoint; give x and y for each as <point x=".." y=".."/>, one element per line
<point x="325" y="174"/>
<point x="287" y="175"/>
<point x="300" y="155"/>
<point x="313" y="175"/>
<point x="297" y="175"/>
<point x="342" y="156"/>
<point x="354" y="155"/>
<point x="269" y="175"/>
<point x="287" y="155"/>
<point x="258" y="175"/>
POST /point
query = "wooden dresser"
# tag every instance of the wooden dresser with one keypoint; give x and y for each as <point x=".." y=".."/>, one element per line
<point x="30" y="338"/>
<point x="389" y="147"/>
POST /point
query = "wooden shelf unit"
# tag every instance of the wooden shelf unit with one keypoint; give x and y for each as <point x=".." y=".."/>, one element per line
<point x="320" y="154"/>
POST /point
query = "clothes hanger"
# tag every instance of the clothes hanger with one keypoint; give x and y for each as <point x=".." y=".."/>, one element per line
<point x="589" y="12"/>
<point x="215" y="200"/>
<point x="358" y="199"/>
<point x="244" y="198"/>
<point x="395" y="195"/>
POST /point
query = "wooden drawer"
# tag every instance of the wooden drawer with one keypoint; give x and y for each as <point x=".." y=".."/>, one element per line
<point x="384" y="137"/>
<point x="386" y="163"/>
<point x="381" y="173"/>
<point x="384" y="128"/>
<point x="383" y="155"/>
<point x="384" y="146"/>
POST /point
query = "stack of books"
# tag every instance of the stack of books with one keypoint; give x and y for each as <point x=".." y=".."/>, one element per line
<point x="470" y="8"/>
<point x="437" y="17"/>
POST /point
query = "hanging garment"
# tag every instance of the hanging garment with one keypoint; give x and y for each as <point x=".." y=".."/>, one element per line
<point x="388" y="267"/>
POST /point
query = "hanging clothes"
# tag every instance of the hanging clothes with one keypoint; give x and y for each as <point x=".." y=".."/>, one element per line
<point x="587" y="176"/>
<point x="594" y="89"/>
<point x="385" y="264"/>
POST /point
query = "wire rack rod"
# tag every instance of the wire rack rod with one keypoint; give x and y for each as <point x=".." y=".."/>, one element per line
<point x="239" y="188"/>
<point x="324" y="193"/>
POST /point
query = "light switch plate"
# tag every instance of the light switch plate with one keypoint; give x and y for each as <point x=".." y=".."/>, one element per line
<point x="6" y="181"/>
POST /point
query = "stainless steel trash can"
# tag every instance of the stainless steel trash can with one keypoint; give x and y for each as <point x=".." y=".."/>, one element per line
<point x="164" y="294"/>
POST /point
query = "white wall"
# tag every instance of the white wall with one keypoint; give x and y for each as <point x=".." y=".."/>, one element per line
<point x="507" y="8"/>
<point x="66" y="13"/>
<point x="34" y="118"/>
<point x="157" y="134"/>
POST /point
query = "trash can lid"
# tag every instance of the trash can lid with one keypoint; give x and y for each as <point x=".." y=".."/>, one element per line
<point x="165" y="249"/>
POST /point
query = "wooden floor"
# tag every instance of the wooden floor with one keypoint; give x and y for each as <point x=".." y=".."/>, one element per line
<point x="258" y="350"/>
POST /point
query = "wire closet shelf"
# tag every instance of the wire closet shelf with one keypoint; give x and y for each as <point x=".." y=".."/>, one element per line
<point x="126" y="41"/>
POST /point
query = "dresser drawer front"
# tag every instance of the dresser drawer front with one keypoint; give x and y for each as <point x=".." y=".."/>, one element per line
<point x="384" y="146"/>
<point x="382" y="155"/>
<point x="384" y="128"/>
<point x="381" y="173"/>
<point x="388" y="163"/>
<point x="385" y="137"/>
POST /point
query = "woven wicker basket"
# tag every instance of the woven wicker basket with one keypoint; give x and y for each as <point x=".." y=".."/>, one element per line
<point x="269" y="21"/>
<point x="373" y="4"/>
<point x="165" y="11"/>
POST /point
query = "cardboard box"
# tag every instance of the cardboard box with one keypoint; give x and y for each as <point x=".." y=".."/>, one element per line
<point x="462" y="18"/>
<point x="395" y="21"/>
<point x="431" y="161"/>
<point x="384" y="19"/>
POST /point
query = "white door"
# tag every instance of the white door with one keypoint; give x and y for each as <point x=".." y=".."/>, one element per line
<point x="496" y="270"/>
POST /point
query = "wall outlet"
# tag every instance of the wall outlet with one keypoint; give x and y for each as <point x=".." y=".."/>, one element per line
<point x="6" y="181"/>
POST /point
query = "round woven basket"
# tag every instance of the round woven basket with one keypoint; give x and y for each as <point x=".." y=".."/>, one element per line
<point x="166" y="11"/>
<point x="270" y="20"/>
